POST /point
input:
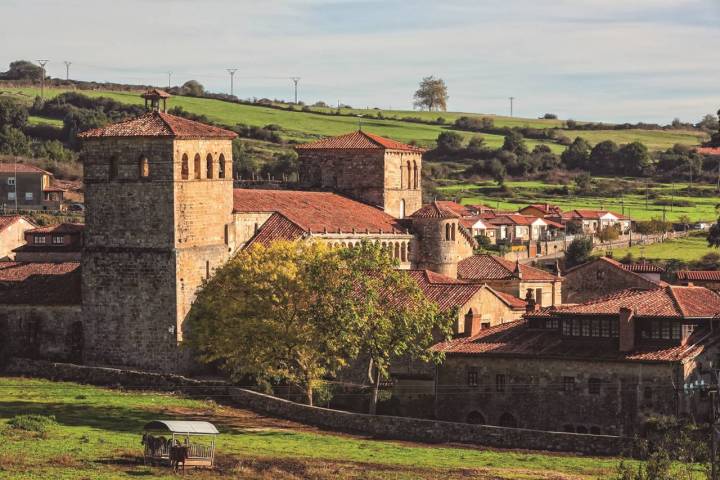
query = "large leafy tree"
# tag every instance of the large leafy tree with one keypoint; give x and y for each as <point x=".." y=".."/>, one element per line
<point x="12" y="113"/>
<point x="286" y="311"/>
<point x="397" y="319"/>
<point x="432" y="94"/>
<point x="577" y="154"/>
<point x="603" y="157"/>
<point x="634" y="159"/>
<point x="578" y="251"/>
<point x="22" y="70"/>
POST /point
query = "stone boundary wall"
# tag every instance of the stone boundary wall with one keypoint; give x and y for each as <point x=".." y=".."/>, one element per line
<point x="397" y="428"/>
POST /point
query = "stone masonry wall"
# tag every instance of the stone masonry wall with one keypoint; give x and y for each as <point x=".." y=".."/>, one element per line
<point x="47" y="332"/>
<point x="598" y="279"/>
<point x="400" y="428"/>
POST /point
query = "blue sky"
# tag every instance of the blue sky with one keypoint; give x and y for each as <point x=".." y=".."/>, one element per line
<point x="609" y="60"/>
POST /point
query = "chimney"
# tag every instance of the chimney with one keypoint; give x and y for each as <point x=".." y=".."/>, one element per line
<point x="472" y="324"/>
<point x="531" y="305"/>
<point x="517" y="273"/>
<point x="626" y="329"/>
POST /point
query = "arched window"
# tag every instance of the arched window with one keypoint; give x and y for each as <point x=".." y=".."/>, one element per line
<point x="508" y="420"/>
<point x="452" y="231"/>
<point x="402" y="175"/>
<point x="185" y="167"/>
<point x="403" y="252"/>
<point x="447" y="231"/>
<point x="475" y="418"/>
<point x="221" y="166"/>
<point x="197" y="167"/>
<point x="409" y="176"/>
<point x="402" y="208"/>
<point x="144" y="166"/>
<point x="415" y="175"/>
<point x="113" y="168"/>
<point x="397" y="250"/>
<point x="209" y="166"/>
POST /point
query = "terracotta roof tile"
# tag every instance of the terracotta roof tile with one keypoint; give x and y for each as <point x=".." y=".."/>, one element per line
<point x="699" y="275"/>
<point x="277" y="227"/>
<point x="489" y="267"/>
<point x="40" y="283"/>
<point x="59" y="228"/>
<point x="21" y="168"/>
<point x="317" y="212"/>
<point x="461" y="210"/>
<point x="159" y="124"/>
<point x="435" y="210"/>
<point x="7" y="220"/>
<point x="643" y="267"/>
<point x="358" y="140"/>
<point x="620" y="267"/>
<point x="590" y="214"/>
<point x="545" y="208"/>
<point x="155" y="93"/>
<point x="709" y="150"/>
<point x="512" y="219"/>
<point x="515" y="339"/>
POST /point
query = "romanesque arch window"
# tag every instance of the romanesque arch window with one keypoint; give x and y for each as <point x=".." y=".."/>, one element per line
<point x="113" y="168"/>
<point x="197" y="167"/>
<point x="185" y="167"/>
<point x="397" y="250"/>
<point x="508" y="420"/>
<point x="409" y="175"/>
<point x="475" y="418"/>
<point x="447" y="231"/>
<point x="144" y="166"/>
<point x="403" y="252"/>
<point x="221" y="166"/>
<point x="402" y="175"/>
<point x="415" y="175"/>
<point x="209" y="166"/>
<point x="452" y="233"/>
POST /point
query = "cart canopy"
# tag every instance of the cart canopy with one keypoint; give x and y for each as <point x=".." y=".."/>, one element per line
<point x="180" y="426"/>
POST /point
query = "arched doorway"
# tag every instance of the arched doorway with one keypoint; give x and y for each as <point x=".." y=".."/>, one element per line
<point x="475" y="418"/>
<point x="508" y="420"/>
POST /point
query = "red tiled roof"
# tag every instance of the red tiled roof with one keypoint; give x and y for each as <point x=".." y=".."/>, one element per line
<point x="699" y="275"/>
<point x="515" y="339"/>
<point x="277" y="227"/>
<point x="156" y="93"/>
<point x="545" y="208"/>
<point x="512" y="219"/>
<point x="709" y="150"/>
<point x="317" y="212"/>
<point x="643" y="267"/>
<point x="59" y="228"/>
<point x="480" y="208"/>
<point x="489" y="267"/>
<point x="358" y="140"/>
<point x="7" y="220"/>
<point x="461" y="210"/>
<point x="590" y="214"/>
<point x="435" y="210"/>
<point x="670" y="301"/>
<point x="511" y="300"/>
<point x="40" y="283"/>
<point x="468" y="222"/>
<point x="21" y="168"/>
<point x="159" y="124"/>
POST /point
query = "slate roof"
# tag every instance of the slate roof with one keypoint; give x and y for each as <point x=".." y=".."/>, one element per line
<point x="489" y="267"/>
<point x="699" y="275"/>
<point x="21" y="168"/>
<point x="159" y="124"/>
<point x="317" y="212"/>
<point x="515" y="339"/>
<point x="25" y="283"/>
<point x="358" y="140"/>
<point x="277" y="227"/>
<point x="435" y="210"/>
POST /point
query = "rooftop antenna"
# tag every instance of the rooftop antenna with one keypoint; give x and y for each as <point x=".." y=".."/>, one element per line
<point x="295" y="81"/>
<point x="42" y="80"/>
<point x="232" y="71"/>
<point x="67" y="69"/>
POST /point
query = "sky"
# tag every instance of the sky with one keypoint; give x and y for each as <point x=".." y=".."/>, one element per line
<point x="597" y="60"/>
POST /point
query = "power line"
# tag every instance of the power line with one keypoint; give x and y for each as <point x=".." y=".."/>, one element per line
<point x="512" y="99"/>
<point x="232" y="71"/>
<point x="169" y="77"/>
<point x="67" y="69"/>
<point x="295" y="81"/>
<point x="42" y="80"/>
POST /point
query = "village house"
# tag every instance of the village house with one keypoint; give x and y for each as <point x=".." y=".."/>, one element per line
<point x="646" y="269"/>
<point x="512" y="278"/>
<point x="26" y="187"/>
<point x="542" y="210"/>
<point x="704" y="278"/>
<point x="601" y="277"/>
<point x="54" y="243"/>
<point x="12" y="234"/>
<point x="592" y="222"/>
<point x="602" y="367"/>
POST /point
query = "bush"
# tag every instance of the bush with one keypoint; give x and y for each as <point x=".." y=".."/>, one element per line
<point x="32" y="423"/>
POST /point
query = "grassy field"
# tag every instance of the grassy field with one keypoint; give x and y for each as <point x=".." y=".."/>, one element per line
<point x="35" y="120"/>
<point x="686" y="249"/>
<point x="630" y="204"/>
<point x="303" y="126"/>
<point x="97" y="436"/>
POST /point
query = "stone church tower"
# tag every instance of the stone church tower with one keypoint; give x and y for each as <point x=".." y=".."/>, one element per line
<point x="371" y="169"/>
<point x="158" y="191"/>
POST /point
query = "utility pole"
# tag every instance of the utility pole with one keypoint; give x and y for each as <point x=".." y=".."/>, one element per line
<point x="718" y="181"/>
<point x="42" y="80"/>
<point x="169" y="79"/>
<point x="295" y="81"/>
<point x="512" y="99"/>
<point x="646" y="195"/>
<point x="232" y="71"/>
<point x="67" y="69"/>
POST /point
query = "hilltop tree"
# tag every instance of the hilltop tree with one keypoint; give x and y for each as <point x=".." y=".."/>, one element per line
<point x="432" y="94"/>
<point x="192" y="88"/>
<point x="634" y="159"/>
<point x="603" y="156"/>
<point x="515" y="143"/>
<point x="709" y="122"/>
<point x="22" y="70"/>
<point x="577" y="154"/>
<point x="449" y="142"/>
<point x="12" y="113"/>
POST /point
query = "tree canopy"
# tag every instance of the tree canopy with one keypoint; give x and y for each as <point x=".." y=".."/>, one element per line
<point x="432" y="94"/>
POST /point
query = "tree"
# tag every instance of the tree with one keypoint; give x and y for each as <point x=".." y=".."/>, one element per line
<point x="684" y="220"/>
<point x="287" y="311"/>
<point x="497" y="170"/>
<point x="476" y="144"/>
<point x="709" y="122"/>
<point x="576" y="156"/>
<point x="713" y="236"/>
<point x="22" y="70"/>
<point x="583" y="182"/>
<point x="396" y="319"/>
<point x="550" y="116"/>
<point x="603" y="157"/>
<point x="609" y="233"/>
<point x="432" y="94"/>
<point x="449" y="142"/>
<point x="578" y="251"/>
<point x="14" y="142"/>
<point x="515" y="143"/>
<point x="634" y="159"/>
<point x="12" y="113"/>
<point x="193" y="88"/>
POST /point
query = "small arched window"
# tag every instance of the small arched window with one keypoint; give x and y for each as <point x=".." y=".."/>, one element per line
<point x="447" y="231"/>
<point x="415" y="175"/>
<point x="409" y="175"/>
<point x="403" y="252"/>
<point x="209" y="166"/>
<point x="402" y="175"/>
<point x="197" y="167"/>
<point x="452" y="231"/>
<point x="144" y="166"/>
<point x="185" y="167"/>
<point x="397" y="250"/>
<point x="113" y="168"/>
<point x="221" y="166"/>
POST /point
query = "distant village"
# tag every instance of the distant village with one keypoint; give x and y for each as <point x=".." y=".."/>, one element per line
<point x="596" y="348"/>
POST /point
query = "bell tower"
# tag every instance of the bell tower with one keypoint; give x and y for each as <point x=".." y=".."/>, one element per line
<point x="158" y="195"/>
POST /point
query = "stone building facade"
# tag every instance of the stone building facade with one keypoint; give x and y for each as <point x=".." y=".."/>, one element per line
<point x="28" y="187"/>
<point x="599" y="278"/>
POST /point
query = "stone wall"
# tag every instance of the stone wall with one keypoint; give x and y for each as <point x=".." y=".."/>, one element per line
<point x="597" y="279"/>
<point x="399" y="428"/>
<point x="47" y="332"/>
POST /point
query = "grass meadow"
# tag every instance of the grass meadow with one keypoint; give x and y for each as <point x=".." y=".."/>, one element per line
<point x="97" y="436"/>
<point x="685" y="249"/>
